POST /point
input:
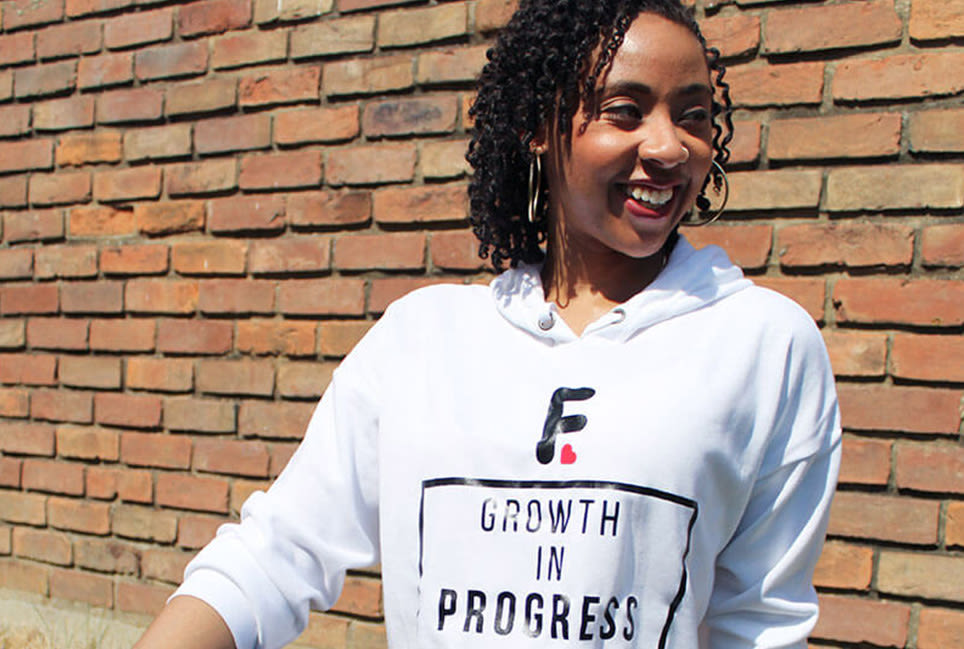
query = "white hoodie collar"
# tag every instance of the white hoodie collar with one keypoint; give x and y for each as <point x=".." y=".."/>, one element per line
<point x="691" y="280"/>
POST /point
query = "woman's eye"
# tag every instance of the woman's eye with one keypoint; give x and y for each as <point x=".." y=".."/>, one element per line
<point x="623" y="112"/>
<point x="696" y="115"/>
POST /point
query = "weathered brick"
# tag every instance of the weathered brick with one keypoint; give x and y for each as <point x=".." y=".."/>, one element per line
<point x="209" y="257"/>
<point x="24" y="576"/>
<point x="865" y="461"/>
<point x="171" y="61"/>
<point x="329" y="296"/>
<point x="268" y="11"/>
<point x="896" y="77"/>
<point x="161" y="296"/>
<point x="421" y="204"/>
<point x="249" y="48"/>
<point x="53" y="476"/>
<point x="44" y="80"/>
<point x="105" y="70"/>
<point x="301" y="255"/>
<point x="937" y="131"/>
<point x="936" y="19"/>
<point x="421" y="115"/>
<point x="380" y="251"/>
<point x="164" y="565"/>
<point x="145" y="599"/>
<point x="939" y="628"/>
<point x="12" y="334"/>
<point x="98" y="222"/>
<point x="155" y="450"/>
<point x="29" y="369"/>
<point x="23" y="508"/>
<point x="24" y="155"/>
<point x="274" y="419"/>
<point x="855" y="24"/>
<point x="893" y="187"/>
<point x="138" y="259"/>
<point x="213" y="16"/>
<point x="424" y="25"/>
<point x="94" y="590"/>
<point x="193" y="493"/>
<point x="200" y="415"/>
<point x="29" y="299"/>
<point x="170" y="217"/>
<point x="17" y="48"/>
<point x="926" y="302"/>
<point x="930" y="467"/>
<point x="236" y="377"/>
<point x="845" y="244"/>
<point x="859" y="135"/>
<point x="122" y="335"/>
<point x="943" y="245"/>
<point x="238" y="133"/>
<point x="457" y="65"/>
<point x="304" y="380"/>
<point x="194" y="337"/>
<point x="329" y="37"/>
<point x="136" y="105"/>
<point x="371" y="164"/>
<point x="16" y="403"/>
<point x="68" y="39"/>
<point x="493" y="14"/>
<point x="782" y="189"/>
<point x="367" y="76"/>
<point x="844" y="565"/>
<point x="444" y="159"/>
<point x="855" y="353"/>
<point x="747" y="245"/>
<point x="110" y="482"/>
<point x="236" y="296"/>
<point x="27" y="439"/>
<point x="231" y="457"/>
<point x="928" y="358"/>
<point x="13" y="191"/>
<point x="131" y="521"/>
<point x="272" y="171"/>
<point x="886" y="518"/>
<point x="734" y="35"/>
<point x="781" y="84"/>
<point x="78" y="149"/>
<point x="276" y="337"/>
<point x="848" y="619"/>
<point x="209" y="177"/>
<point x="160" y="374"/>
<point x="76" y="8"/>
<point x="127" y="184"/>
<point x="42" y="545"/>
<point x="6" y="85"/>
<point x="57" y="333"/>
<point x="204" y="97"/>
<point x="141" y="28"/>
<point x="104" y="296"/>
<point x="329" y="209"/>
<point x="280" y="86"/>
<point x="920" y="575"/>
<point x="14" y="120"/>
<point x="127" y="410"/>
<point x="16" y="263"/>
<point x="899" y="408"/>
<point x="87" y="443"/>
<point x="359" y="5"/>
<point x="195" y="531"/>
<point x="247" y="213"/>
<point x="172" y="141"/>
<point x="24" y="13"/>
<point x="78" y="516"/>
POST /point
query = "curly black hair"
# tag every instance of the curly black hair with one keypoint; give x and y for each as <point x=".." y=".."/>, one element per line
<point x="539" y="68"/>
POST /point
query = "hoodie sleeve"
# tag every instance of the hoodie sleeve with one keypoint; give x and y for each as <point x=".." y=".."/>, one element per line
<point x="294" y="543"/>
<point x="763" y="595"/>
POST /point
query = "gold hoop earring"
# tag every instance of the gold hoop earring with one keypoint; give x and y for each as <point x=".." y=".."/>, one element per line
<point x="720" y="210"/>
<point x="535" y="185"/>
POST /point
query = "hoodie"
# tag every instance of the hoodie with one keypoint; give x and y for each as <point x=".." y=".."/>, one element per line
<point x="661" y="481"/>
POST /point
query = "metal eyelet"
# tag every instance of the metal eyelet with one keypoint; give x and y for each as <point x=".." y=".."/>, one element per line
<point x="546" y="321"/>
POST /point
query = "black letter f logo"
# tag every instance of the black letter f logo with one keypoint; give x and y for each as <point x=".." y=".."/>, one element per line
<point x="556" y="423"/>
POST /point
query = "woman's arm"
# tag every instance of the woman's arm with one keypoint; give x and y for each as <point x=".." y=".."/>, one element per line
<point x="188" y="623"/>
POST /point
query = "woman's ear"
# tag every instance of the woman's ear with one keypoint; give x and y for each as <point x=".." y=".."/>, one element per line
<point x="539" y="143"/>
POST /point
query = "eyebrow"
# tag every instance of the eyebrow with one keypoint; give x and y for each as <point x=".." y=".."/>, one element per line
<point x="634" y="87"/>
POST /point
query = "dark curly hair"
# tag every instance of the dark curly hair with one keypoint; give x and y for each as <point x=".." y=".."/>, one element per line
<point x="539" y="67"/>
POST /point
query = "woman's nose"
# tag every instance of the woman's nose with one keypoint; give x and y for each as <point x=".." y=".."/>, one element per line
<point x="660" y="143"/>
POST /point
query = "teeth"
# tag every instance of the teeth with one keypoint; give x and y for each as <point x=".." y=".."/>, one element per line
<point x="651" y="196"/>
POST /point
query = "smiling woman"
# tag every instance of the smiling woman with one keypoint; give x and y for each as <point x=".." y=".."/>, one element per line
<point x="659" y="502"/>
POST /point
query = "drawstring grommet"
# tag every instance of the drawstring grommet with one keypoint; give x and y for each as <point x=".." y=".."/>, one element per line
<point x="546" y="321"/>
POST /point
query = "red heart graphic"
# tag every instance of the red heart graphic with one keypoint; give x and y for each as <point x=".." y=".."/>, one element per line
<point x="568" y="456"/>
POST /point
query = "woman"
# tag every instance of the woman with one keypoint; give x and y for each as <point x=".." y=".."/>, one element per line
<point x="621" y="442"/>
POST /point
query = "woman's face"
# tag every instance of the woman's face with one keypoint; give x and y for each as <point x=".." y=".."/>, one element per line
<point x="627" y="176"/>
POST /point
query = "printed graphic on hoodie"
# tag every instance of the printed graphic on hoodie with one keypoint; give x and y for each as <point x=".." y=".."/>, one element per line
<point x="550" y="563"/>
<point x="557" y="423"/>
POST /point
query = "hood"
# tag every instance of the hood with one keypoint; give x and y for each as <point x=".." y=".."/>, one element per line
<point x="691" y="280"/>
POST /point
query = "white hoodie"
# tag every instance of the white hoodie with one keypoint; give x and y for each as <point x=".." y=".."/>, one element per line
<point x="662" y="481"/>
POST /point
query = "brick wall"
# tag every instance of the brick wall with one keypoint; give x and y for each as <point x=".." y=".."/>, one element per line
<point x="204" y="205"/>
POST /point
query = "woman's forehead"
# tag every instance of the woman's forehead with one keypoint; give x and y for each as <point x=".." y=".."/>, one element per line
<point x="658" y="50"/>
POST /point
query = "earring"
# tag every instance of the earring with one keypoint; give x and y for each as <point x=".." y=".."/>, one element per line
<point x="726" y="196"/>
<point x="535" y="185"/>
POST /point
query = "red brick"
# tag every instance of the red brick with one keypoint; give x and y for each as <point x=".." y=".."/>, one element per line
<point x="238" y="133"/>
<point x="781" y="189"/>
<point x="939" y="131"/>
<point x="359" y="5"/>
<point x="146" y="599"/>
<point x="493" y="14"/>
<point x="930" y="467"/>
<point x="247" y="213"/>
<point x="127" y="410"/>
<point x="77" y="8"/>
<point x="356" y="76"/>
<point x="161" y="296"/>
<point x="309" y="125"/>
<point x="199" y="415"/>
<point x="131" y="485"/>
<point x="193" y="493"/>
<point x="16" y="263"/>
<point x="457" y="250"/>
<point x="194" y="337"/>
<point x="884" y="518"/>
<point x="57" y="333"/>
<point x="273" y="419"/>
<point x="422" y="115"/>
<point x="103" y="296"/>
<point x="236" y="296"/>
<point x="329" y="209"/>
<point x="457" y="65"/>
<point x="385" y="291"/>
<point x="90" y="372"/>
<point x="936" y="19"/>
<point x="241" y="490"/>
<point x="164" y="565"/>
<point x="87" y="443"/>
<point x="24" y="155"/>
<point x="281" y="86"/>
<point x="63" y="114"/>
<point x="29" y="369"/>
<point x="136" y="259"/>
<point x="122" y="335"/>
<point x="249" y="48"/>
<point x="94" y="590"/>
<point x="139" y="28"/>
<point x="17" y="48"/>
<point x="158" y="143"/>
<point x="203" y="97"/>
<point x="276" y="337"/>
<point x="268" y="11"/>
<point x="127" y="184"/>
<point x="108" y="70"/>
<point x="160" y="374"/>
<point x="895" y="187"/>
<point x="13" y="191"/>
<point x="23" y="13"/>
<point x="275" y="171"/>
<point x="300" y="255"/>
<point x="939" y="628"/>
<point x="41" y="545"/>
<point x="12" y="334"/>
<point x="935" y="303"/>
<point x="24" y="576"/>
<point x="170" y="61"/>
<point x="845" y="244"/>
<point x="23" y="508"/>
<point x="856" y="353"/>
<point x="45" y="80"/>
<point x="53" y="476"/>
<point x="734" y="35"/>
<point x="954" y="530"/>
<point x="59" y="188"/>
<point x="28" y="298"/>
<point x="943" y="245"/>
<point x="367" y="634"/>
<point x="136" y="105"/>
<point x="329" y="296"/>
<point x="207" y="177"/>
<point x="444" y="159"/>
<point x="428" y="204"/>
<point x="236" y="377"/>
<point x="423" y="25"/>
<point x="69" y="39"/>
<point x="144" y="523"/>
<point x="79" y="149"/>
<point x="380" y="251"/>
<point x="843" y="565"/>
<point x="858" y="135"/>
<point x="231" y="457"/>
<point x="70" y="261"/>
<point x="222" y="257"/>
<point x="783" y="84"/>
<point x="155" y="450"/>
<point x="928" y="358"/>
<point x="926" y="576"/>
<point x="899" y="408"/>
<point x="194" y="532"/>
<point x="854" y="24"/>
<point x="78" y="516"/>
<point x="6" y="85"/>
<point x="747" y="246"/>
<point x="213" y="16"/>
<point x="304" y="380"/>
<point x="281" y="454"/>
<point x="904" y="75"/>
<point x="14" y="120"/>
<point x="15" y="403"/>
<point x="61" y="405"/>
<point x="100" y="222"/>
<point x="351" y="35"/>
<point x="847" y="619"/>
<point x="865" y="461"/>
